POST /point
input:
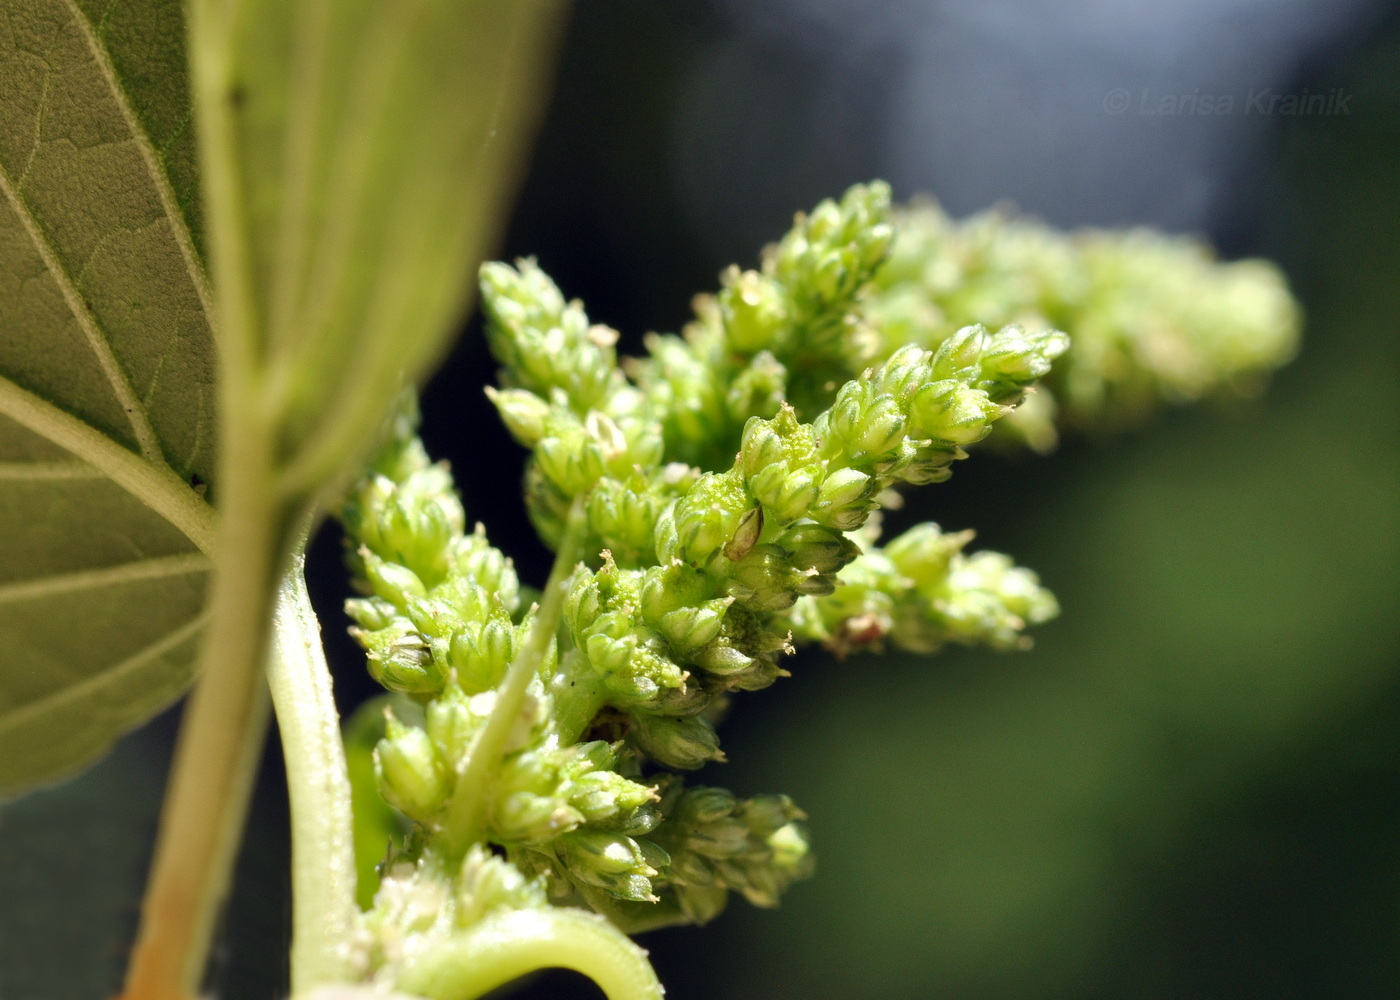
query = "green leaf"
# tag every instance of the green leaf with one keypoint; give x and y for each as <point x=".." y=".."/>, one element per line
<point x="358" y="158"/>
<point x="107" y="422"/>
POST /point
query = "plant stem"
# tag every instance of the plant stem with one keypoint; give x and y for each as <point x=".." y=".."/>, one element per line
<point x="221" y="735"/>
<point x="466" y="812"/>
<point x="226" y="717"/>
<point x="318" y="786"/>
<point x="505" y="947"/>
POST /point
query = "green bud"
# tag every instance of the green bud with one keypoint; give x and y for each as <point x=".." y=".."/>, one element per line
<point x="844" y="500"/>
<point x="701" y="904"/>
<point x="722" y="659"/>
<point x="477" y="560"/>
<point x="411" y="775"/>
<point x="371" y="613"/>
<point x="880" y="430"/>
<point x="533" y="819"/>
<point x="923" y="552"/>
<point x="753" y="309"/>
<point x="843" y="488"/>
<point x="570" y="460"/>
<point x="687" y="629"/>
<point x="524" y="414"/>
<point x="394" y="583"/>
<point x="452" y="725"/>
<point x="400" y="659"/>
<point x="685" y="743"/>
<point x="702" y="804"/>
<point x="950" y="411"/>
<point x="708" y="516"/>
<point x="760" y="389"/>
<point x="610" y="862"/>
<point x="488" y="883"/>
<point x="670" y="587"/>
<point x="762" y="447"/>
<point x="813" y="546"/>
<point x="905" y="371"/>
<point x="605" y="795"/>
<point x="960" y="356"/>
<point x="666" y="539"/>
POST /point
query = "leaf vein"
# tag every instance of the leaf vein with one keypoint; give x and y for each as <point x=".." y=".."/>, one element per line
<point x="157" y="487"/>
<point x="151" y="158"/>
<point x="86" y="688"/>
<point x="97" y="339"/>
<point x="40" y="471"/>
<point x="106" y="576"/>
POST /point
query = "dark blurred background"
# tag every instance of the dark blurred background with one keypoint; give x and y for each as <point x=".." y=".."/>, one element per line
<point x="1190" y="788"/>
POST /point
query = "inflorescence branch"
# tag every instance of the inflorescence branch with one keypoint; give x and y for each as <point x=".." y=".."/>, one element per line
<point x="714" y="504"/>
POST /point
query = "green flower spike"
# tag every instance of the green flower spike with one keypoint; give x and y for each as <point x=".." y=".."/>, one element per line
<point x="1155" y="319"/>
<point x="710" y="505"/>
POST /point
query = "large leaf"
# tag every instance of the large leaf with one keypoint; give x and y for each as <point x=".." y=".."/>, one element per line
<point x="107" y="423"/>
<point x="358" y="159"/>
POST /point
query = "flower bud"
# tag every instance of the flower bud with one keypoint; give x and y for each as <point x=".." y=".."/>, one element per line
<point x="708" y="516"/>
<point x="452" y="725"/>
<point x="905" y="371"/>
<point x="525" y="415"/>
<point x="813" y="546"/>
<point x="670" y="587"/>
<point x="604" y="795"/>
<point x="371" y="613"/>
<point x="395" y="583"/>
<point x="701" y="903"/>
<point x="702" y="804"/>
<point x="960" y="356"/>
<point x="758" y="390"/>
<point x="570" y="460"/>
<point x="722" y="659"/>
<point x="685" y="743"/>
<point x="843" y="488"/>
<point x="533" y="819"/>
<point x="613" y="863"/>
<point x="753" y="310"/>
<point x="923" y="552"/>
<point x="762" y="447"/>
<point x="687" y="629"/>
<point x="880" y="430"/>
<point x="410" y="773"/>
<point x="1019" y="357"/>
<point x="952" y="412"/>
<point x="487" y="883"/>
<point x="400" y="659"/>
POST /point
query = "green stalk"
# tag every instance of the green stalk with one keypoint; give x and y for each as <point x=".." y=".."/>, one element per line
<point x="318" y="786"/>
<point x="225" y="719"/>
<point x="467" y="811"/>
<point x="506" y="947"/>
<point x="221" y="736"/>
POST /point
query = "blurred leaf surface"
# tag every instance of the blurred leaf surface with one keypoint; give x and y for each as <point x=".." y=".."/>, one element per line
<point x="106" y="379"/>
<point x="365" y="151"/>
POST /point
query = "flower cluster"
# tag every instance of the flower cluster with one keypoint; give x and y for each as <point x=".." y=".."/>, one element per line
<point x="712" y="504"/>
<point x="920" y="592"/>
<point x="569" y="804"/>
<point x="789" y="332"/>
<point x="1155" y="319"/>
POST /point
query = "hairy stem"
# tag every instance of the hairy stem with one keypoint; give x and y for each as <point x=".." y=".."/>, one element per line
<point x="318" y="785"/>
<point x="467" y="810"/>
<point x="505" y="947"/>
<point x="221" y="735"/>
